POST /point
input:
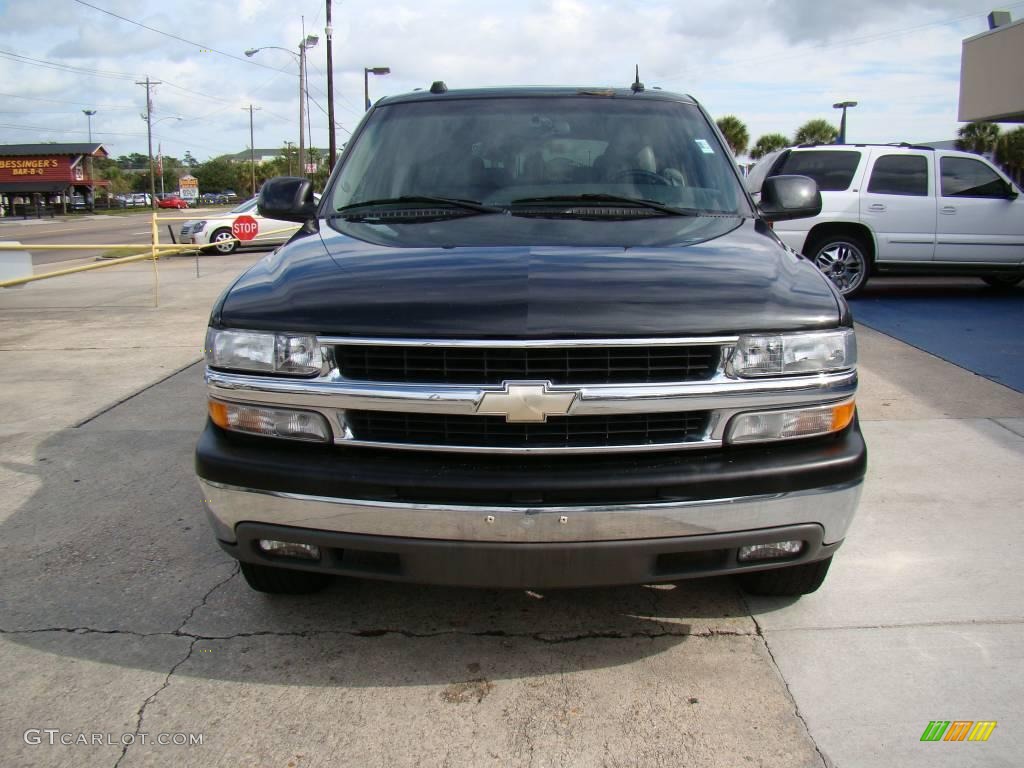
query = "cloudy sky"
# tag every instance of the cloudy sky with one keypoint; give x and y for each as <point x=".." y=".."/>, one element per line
<point x="774" y="63"/>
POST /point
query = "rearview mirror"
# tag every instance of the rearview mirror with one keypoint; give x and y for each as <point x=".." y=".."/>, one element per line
<point x="287" y="198"/>
<point x="789" y="197"/>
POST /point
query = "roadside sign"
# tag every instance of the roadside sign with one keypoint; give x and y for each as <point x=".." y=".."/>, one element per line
<point x="310" y="167"/>
<point x="245" y="228"/>
<point x="188" y="188"/>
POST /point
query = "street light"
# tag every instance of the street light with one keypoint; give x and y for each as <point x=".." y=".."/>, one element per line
<point x="92" y="190"/>
<point x="309" y="41"/>
<point x="89" y="113"/>
<point x="367" y="71"/>
<point x="842" y="123"/>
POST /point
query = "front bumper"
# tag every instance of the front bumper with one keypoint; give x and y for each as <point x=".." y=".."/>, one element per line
<point x="530" y="521"/>
<point x="520" y="566"/>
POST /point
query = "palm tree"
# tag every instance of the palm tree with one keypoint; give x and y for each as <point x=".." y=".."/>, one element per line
<point x="816" y="132"/>
<point x="768" y="143"/>
<point x="1010" y="153"/>
<point x="735" y="133"/>
<point x="978" y="137"/>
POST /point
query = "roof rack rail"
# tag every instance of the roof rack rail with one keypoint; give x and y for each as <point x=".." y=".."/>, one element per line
<point x="903" y="144"/>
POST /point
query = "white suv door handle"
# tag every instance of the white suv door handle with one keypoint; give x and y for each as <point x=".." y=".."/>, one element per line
<point x="948" y="210"/>
<point x="876" y="207"/>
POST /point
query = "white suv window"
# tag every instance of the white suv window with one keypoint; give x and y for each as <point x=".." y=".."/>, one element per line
<point x="964" y="177"/>
<point x="900" y="175"/>
<point x="832" y="170"/>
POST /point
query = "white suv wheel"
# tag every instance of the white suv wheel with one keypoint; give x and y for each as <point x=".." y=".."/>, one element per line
<point x="844" y="263"/>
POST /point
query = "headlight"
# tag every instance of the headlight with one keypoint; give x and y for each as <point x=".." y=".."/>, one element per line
<point x="792" y="353"/>
<point x="199" y="226"/>
<point x="297" y="355"/>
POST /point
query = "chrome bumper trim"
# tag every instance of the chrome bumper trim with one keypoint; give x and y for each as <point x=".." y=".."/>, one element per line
<point x="831" y="507"/>
<point x="335" y="392"/>
<point x="330" y="395"/>
<point x="657" y="341"/>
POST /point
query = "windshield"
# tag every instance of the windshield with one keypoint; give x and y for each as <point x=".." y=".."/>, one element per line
<point x="499" y="151"/>
<point x="245" y="207"/>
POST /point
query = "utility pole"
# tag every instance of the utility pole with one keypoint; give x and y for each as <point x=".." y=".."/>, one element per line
<point x="252" y="145"/>
<point x="333" y="142"/>
<point x="302" y="109"/>
<point x="149" y="134"/>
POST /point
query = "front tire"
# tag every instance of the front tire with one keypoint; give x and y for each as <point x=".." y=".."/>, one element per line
<point x="789" y="581"/>
<point x="222" y="241"/>
<point x="844" y="260"/>
<point x="283" y="581"/>
<point x="1002" y="281"/>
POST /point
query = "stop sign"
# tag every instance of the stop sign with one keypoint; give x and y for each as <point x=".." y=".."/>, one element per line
<point x="245" y="228"/>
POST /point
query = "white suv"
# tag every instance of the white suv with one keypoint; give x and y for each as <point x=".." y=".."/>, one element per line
<point x="902" y="209"/>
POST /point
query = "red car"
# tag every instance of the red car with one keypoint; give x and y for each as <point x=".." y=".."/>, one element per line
<point x="172" y="201"/>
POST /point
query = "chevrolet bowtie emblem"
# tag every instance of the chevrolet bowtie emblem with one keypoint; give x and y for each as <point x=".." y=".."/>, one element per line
<point x="526" y="402"/>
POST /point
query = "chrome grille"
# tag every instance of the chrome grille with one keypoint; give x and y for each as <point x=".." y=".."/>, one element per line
<point x="484" y="365"/>
<point x="625" y="429"/>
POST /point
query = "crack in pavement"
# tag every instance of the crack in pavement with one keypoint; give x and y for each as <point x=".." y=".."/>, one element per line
<point x="141" y="714"/>
<point x="825" y="762"/>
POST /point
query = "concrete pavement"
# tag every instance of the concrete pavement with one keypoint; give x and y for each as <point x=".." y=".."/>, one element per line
<point x="120" y="615"/>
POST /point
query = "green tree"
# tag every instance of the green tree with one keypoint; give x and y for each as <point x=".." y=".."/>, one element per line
<point x="108" y="169"/>
<point x="978" y="137"/>
<point x="188" y="161"/>
<point x="816" y="131"/>
<point x="768" y="143"/>
<point x="735" y="133"/>
<point x="135" y="160"/>
<point x="1010" y="154"/>
<point x="220" y="173"/>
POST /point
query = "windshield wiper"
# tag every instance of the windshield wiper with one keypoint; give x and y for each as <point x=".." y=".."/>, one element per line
<point x="454" y="202"/>
<point x="605" y="198"/>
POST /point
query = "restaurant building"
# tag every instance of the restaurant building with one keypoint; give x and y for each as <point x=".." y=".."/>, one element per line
<point x="48" y="176"/>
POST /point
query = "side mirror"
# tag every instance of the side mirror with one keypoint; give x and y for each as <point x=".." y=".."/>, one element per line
<point x="789" y="197"/>
<point x="287" y="198"/>
<point x="1011" y="193"/>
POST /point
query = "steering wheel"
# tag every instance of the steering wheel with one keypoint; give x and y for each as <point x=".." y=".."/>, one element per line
<point x="642" y="175"/>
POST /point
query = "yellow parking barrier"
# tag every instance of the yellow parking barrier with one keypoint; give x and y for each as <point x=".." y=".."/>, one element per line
<point x="155" y="250"/>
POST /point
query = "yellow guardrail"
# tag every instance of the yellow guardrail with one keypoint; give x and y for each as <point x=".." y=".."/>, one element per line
<point x="155" y="250"/>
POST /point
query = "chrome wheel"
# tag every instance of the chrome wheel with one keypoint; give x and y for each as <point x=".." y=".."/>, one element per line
<point x="844" y="264"/>
<point x="224" y="241"/>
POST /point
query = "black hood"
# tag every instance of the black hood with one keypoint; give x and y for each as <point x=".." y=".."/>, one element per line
<point x="681" y="277"/>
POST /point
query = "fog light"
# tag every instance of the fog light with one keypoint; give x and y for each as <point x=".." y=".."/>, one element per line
<point x="773" y="551"/>
<point x="786" y="425"/>
<point x="272" y="422"/>
<point x="290" y="549"/>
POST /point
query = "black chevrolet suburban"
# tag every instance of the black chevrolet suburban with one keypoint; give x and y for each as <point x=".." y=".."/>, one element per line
<point x="533" y="337"/>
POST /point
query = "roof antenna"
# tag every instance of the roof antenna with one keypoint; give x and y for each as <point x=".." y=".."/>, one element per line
<point x="637" y="86"/>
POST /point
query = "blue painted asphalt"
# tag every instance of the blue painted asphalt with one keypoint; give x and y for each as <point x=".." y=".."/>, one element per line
<point x="961" y="321"/>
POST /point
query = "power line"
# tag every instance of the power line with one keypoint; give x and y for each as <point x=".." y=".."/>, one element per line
<point x="65" y="67"/>
<point x="194" y="44"/>
<point x="75" y="103"/>
<point x="336" y="123"/>
<point x="109" y="74"/>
